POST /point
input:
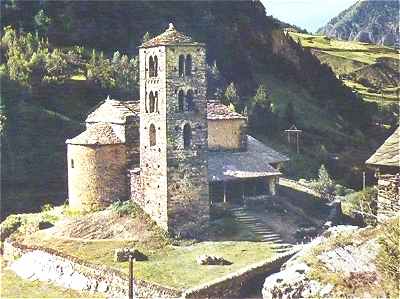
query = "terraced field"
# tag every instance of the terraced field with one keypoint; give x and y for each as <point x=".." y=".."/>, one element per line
<point x="370" y="70"/>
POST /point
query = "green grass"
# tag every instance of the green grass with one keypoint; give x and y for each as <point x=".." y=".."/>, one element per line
<point x="345" y="57"/>
<point x="79" y="77"/>
<point x="12" y="286"/>
<point x="173" y="266"/>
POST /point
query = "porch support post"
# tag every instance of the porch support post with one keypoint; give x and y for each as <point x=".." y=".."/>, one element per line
<point x="272" y="185"/>
<point x="224" y="191"/>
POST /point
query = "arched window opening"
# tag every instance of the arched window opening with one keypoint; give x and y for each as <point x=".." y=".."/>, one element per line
<point x="152" y="102"/>
<point x="156" y="102"/>
<point x="181" y="65"/>
<point x="155" y="66"/>
<point x="151" y="67"/>
<point x="152" y="135"/>
<point x="188" y="65"/>
<point x="146" y="103"/>
<point x="180" y="101"/>
<point x="187" y="136"/>
<point x="189" y="100"/>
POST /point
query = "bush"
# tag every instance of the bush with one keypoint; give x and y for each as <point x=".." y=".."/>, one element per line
<point x="324" y="185"/>
<point x="388" y="259"/>
<point x="124" y="208"/>
<point x="362" y="203"/>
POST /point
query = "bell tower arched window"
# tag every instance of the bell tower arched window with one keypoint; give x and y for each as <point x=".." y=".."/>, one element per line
<point x="156" y="102"/>
<point x="189" y="100"/>
<point x="188" y="65"/>
<point x="181" y="65"/>
<point x="180" y="101"/>
<point x="155" y="66"/>
<point x="151" y="67"/>
<point x="152" y="101"/>
<point x="187" y="136"/>
<point x="152" y="135"/>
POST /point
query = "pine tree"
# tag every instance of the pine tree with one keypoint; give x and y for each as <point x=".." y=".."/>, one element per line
<point x="231" y="95"/>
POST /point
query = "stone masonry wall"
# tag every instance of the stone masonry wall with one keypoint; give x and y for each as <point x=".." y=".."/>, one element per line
<point x="51" y="266"/>
<point x="132" y="138"/>
<point x="230" y="286"/>
<point x="97" y="177"/>
<point x="188" y="198"/>
<point x="226" y="134"/>
<point x="153" y="159"/>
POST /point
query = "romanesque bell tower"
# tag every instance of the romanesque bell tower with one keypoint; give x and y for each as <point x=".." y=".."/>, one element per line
<point x="173" y="132"/>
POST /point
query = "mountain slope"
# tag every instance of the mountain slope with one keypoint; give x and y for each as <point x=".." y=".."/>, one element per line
<point x="367" y="21"/>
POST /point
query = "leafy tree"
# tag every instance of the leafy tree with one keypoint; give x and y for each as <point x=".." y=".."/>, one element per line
<point x="289" y="114"/>
<point x="216" y="82"/>
<point x="42" y="21"/>
<point x="231" y="95"/>
<point x="146" y="37"/>
<point x="324" y="185"/>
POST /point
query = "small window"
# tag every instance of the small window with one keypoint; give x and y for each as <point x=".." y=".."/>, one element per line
<point x="152" y="100"/>
<point x="188" y="65"/>
<point x="155" y="66"/>
<point x="152" y="135"/>
<point x="156" y="102"/>
<point x="180" y="101"/>
<point x="189" y="100"/>
<point x="181" y="65"/>
<point x="151" y="67"/>
<point x="72" y="163"/>
<point x="187" y="136"/>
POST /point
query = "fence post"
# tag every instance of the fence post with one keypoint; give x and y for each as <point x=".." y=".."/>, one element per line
<point x="130" y="290"/>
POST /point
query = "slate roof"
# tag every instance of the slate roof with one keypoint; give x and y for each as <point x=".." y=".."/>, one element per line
<point x="97" y="134"/>
<point x="388" y="154"/>
<point x="113" y="111"/>
<point x="217" y="111"/>
<point x="170" y="37"/>
<point x="253" y="163"/>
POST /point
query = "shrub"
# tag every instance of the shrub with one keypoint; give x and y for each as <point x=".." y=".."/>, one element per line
<point x="124" y="208"/>
<point x="324" y="185"/>
<point x="388" y="258"/>
<point x="362" y="203"/>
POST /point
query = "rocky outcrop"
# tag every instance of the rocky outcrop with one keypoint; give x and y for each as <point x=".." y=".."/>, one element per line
<point x="354" y="262"/>
<point x="367" y="21"/>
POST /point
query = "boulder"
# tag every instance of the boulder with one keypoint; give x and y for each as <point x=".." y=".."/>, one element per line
<point x="212" y="260"/>
<point x="123" y="254"/>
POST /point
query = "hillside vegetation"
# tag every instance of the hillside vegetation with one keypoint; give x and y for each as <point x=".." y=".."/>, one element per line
<point x="370" y="70"/>
<point x="367" y="21"/>
<point x="59" y="59"/>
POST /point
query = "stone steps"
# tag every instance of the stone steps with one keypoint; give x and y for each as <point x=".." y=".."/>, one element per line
<point x="263" y="232"/>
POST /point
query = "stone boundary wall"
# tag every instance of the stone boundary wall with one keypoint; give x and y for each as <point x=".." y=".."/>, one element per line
<point x="229" y="286"/>
<point x="72" y="272"/>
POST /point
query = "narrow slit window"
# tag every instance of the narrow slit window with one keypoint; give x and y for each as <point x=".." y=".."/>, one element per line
<point x="72" y="163"/>
<point x="152" y="135"/>
<point x="189" y="100"/>
<point x="181" y="65"/>
<point x="180" y="101"/>
<point x="187" y="136"/>
<point x="188" y="65"/>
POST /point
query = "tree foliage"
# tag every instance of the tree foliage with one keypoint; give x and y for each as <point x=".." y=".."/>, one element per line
<point x="231" y="95"/>
<point x="324" y="185"/>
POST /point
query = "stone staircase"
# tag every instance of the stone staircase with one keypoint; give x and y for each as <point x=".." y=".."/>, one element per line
<point x="260" y="228"/>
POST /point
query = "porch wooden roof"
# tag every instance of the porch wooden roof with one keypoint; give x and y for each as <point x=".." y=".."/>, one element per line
<point x="253" y="163"/>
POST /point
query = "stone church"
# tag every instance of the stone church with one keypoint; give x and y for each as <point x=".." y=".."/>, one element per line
<point x="174" y="152"/>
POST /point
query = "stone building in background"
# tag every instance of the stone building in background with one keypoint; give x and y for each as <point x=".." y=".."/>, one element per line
<point x="386" y="161"/>
<point x="180" y="154"/>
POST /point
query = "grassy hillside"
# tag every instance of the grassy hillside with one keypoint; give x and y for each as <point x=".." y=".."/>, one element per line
<point x="370" y="70"/>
